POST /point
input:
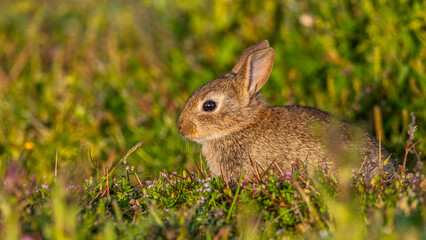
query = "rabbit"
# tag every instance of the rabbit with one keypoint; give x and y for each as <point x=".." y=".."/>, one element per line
<point x="237" y="130"/>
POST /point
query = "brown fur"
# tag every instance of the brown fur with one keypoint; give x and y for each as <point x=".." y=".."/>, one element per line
<point x="242" y="129"/>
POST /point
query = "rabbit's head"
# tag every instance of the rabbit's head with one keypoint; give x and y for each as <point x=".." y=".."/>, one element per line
<point x="231" y="102"/>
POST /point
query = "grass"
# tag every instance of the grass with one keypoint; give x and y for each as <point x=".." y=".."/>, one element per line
<point x="196" y="205"/>
<point x="81" y="82"/>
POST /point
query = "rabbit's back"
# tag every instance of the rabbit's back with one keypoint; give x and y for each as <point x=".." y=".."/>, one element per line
<point x="286" y="135"/>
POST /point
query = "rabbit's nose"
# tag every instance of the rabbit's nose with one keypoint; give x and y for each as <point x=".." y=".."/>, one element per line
<point x="186" y="127"/>
<point x="180" y="123"/>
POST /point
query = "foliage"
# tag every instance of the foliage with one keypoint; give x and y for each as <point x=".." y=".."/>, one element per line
<point x="195" y="205"/>
<point x="83" y="81"/>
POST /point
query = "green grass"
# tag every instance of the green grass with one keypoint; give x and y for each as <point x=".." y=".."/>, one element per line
<point x="188" y="205"/>
<point x="81" y="82"/>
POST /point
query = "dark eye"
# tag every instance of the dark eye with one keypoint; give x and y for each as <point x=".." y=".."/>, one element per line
<point x="209" y="106"/>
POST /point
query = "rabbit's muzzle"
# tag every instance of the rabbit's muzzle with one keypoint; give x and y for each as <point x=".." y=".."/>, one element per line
<point x="186" y="128"/>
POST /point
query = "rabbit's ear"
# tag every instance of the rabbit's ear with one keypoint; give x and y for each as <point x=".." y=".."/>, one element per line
<point x="256" y="70"/>
<point x="255" y="47"/>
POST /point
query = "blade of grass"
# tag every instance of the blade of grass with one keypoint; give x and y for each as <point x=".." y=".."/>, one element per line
<point x="231" y="209"/>
<point x="115" y="163"/>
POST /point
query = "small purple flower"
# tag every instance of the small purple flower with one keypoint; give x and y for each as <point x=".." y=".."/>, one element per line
<point x="202" y="200"/>
<point x="220" y="212"/>
<point x="206" y="184"/>
<point x="414" y="180"/>
<point x="166" y="209"/>
<point x="175" y="173"/>
<point x="287" y="173"/>
<point x="288" y="178"/>
<point x="244" y="185"/>
<point x="192" y="173"/>
<point x="207" y="190"/>
<point x="45" y="186"/>
<point x="254" y="186"/>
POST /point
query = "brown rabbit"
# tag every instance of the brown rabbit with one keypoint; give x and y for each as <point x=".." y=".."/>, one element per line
<point x="235" y="127"/>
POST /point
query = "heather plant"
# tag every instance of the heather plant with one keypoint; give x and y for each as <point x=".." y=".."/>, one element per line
<point x="188" y="204"/>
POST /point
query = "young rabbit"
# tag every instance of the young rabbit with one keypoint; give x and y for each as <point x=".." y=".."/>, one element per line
<point x="236" y="129"/>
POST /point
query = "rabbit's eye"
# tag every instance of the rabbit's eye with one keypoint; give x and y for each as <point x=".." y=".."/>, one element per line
<point x="209" y="106"/>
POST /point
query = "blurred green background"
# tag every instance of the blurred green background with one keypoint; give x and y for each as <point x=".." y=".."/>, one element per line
<point x="99" y="76"/>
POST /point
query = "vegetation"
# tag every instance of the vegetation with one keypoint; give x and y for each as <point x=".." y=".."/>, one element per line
<point x="81" y="82"/>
